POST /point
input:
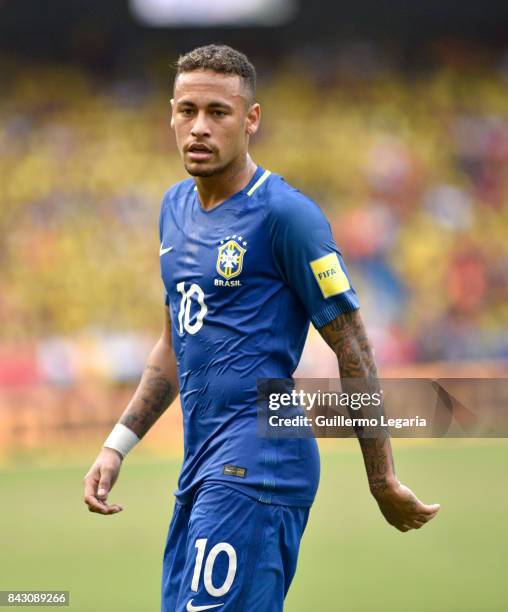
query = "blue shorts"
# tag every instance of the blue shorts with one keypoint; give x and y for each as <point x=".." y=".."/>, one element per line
<point x="230" y="552"/>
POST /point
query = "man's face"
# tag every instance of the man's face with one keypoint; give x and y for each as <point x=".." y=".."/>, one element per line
<point x="212" y="119"/>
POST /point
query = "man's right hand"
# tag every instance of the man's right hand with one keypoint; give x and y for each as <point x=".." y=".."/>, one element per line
<point x="100" y="480"/>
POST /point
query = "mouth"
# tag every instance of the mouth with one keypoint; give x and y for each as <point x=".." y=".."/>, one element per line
<point x="199" y="152"/>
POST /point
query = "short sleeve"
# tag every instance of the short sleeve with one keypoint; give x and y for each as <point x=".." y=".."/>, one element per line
<point x="308" y="259"/>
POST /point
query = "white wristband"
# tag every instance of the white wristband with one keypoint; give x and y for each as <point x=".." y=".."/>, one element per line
<point x="121" y="439"/>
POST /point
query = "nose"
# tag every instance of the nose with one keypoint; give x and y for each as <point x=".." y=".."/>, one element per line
<point x="200" y="126"/>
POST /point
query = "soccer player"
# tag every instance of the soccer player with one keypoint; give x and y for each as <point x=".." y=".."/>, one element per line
<point x="247" y="262"/>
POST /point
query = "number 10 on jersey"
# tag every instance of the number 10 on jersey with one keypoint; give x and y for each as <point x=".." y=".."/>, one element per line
<point x="184" y="315"/>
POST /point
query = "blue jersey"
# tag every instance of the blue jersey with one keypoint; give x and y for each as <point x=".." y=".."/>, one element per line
<point x="242" y="282"/>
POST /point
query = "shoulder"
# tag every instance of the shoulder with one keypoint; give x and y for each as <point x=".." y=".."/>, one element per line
<point x="289" y="206"/>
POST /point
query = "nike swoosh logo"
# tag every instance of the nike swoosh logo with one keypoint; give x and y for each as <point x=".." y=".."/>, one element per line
<point x="191" y="608"/>
<point x="163" y="251"/>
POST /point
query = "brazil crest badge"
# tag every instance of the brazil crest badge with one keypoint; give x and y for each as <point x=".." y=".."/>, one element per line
<point x="230" y="259"/>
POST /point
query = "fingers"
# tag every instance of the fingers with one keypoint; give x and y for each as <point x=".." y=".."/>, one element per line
<point x="100" y="507"/>
<point x="419" y="507"/>
<point x="104" y="484"/>
<point x="106" y="509"/>
<point x="425" y="518"/>
<point x="407" y="526"/>
<point x="96" y="491"/>
<point x="415" y="522"/>
<point x="431" y="509"/>
<point x="90" y="498"/>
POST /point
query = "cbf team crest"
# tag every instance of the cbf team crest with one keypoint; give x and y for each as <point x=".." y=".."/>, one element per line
<point x="230" y="256"/>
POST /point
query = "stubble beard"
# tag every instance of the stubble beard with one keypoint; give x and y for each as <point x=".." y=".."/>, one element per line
<point x="221" y="168"/>
<point x="204" y="172"/>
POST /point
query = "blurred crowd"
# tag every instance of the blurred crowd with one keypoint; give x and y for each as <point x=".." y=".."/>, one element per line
<point x="411" y="168"/>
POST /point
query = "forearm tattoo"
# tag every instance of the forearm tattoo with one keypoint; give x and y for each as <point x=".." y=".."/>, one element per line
<point x="347" y="337"/>
<point x="153" y="395"/>
<point x="377" y="456"/>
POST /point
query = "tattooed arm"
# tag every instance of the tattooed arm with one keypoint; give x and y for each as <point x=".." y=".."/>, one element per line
<point x="157" y="388"/>
<point x="347" y="338"/>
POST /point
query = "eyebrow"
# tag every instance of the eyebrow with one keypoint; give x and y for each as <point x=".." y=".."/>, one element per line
<point x="212" y="104"/>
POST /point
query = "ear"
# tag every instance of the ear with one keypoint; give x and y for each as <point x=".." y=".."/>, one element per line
<point x="252" y="119"/>
<point x="172" y="113"/>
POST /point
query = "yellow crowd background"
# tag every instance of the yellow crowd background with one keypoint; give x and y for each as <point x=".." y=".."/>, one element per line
<point x="410" y="169"/>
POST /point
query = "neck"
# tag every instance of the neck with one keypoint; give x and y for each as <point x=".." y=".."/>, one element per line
<point x="213" y="190"/>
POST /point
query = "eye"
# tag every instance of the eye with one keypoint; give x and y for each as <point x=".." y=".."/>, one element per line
<point x="186" y="112"/>
<point x="219" y="113"/>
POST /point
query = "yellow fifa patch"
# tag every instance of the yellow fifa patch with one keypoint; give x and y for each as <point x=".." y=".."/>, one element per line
<point x="330" y="275"/>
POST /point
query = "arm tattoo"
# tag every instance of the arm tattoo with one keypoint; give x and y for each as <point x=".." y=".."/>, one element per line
<point x="377" y="456"/>
<point x="152" y="397"/>
<point x="347" y="338"/>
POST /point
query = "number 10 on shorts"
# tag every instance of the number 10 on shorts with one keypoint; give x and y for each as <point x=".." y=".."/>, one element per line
<point x="221" y="547"/>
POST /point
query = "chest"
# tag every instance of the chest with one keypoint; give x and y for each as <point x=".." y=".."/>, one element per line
<point x="223" y="255"/>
